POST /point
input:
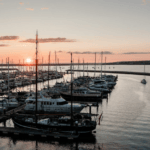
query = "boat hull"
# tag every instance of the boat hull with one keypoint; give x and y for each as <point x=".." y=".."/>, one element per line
<point x="85" y="98"/>
<point x="53" y="128"/>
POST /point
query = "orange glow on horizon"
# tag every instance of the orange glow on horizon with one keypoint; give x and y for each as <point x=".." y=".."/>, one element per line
<point x="66" y="58"/>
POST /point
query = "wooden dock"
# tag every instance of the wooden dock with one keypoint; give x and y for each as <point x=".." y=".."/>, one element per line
<point x="35" y="133"/>
<point x="115" y="72"/>
<point x="8" y="114"/>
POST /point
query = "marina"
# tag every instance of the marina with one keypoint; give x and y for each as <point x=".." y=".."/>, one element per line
<point x="104" y="129"/>
<point x="75" y="75"/>
<point x="73" y="123"/>
<point x="59" y="109"/>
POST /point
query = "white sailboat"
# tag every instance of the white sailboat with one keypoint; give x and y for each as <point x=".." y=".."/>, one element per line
<point x="143" y="81"/>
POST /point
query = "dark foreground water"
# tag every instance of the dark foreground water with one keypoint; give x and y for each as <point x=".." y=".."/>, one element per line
<point x="125" y="123"/>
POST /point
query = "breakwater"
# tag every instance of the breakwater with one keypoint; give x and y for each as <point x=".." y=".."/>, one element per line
<point x="115" y="72"/>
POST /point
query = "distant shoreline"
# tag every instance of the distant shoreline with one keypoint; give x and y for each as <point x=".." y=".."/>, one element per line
<point x="129" y="63"/>
<point x="67" y="64"/>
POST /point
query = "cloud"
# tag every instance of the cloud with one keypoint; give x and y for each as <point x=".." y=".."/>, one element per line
<point x="89" y="52"/>
<point x="3" y="45"/>
<point x="137" y="53"/>
<point x="29" y="9"/>
<point x="44" y="8"/>
<point x="49" y="40"/>
<point x="21" y="3"/>
<point x="3" y="38"/>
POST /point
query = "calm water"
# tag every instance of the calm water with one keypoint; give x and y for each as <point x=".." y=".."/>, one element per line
<point x="125" y="123"/>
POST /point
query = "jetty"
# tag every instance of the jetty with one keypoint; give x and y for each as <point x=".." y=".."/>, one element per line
<point x="35" y="133"/>
<point x="115" y="72"/>
<point x="9" y="113"/>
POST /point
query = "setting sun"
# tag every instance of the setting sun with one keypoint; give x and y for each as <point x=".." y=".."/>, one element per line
<point x="28" y="60"/>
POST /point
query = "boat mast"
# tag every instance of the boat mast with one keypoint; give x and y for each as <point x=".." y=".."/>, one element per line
<point x="2" y="64"/>
<point x="105" y="65"/>
<point x="48" y="70"/>
<point x="101" y="62"/>
<point x="95" y="64"/>
<point x="42" y="67"/>
<point x="78" y="67"/>
<point x="71" y="93"/>
<point x="144" y="70"/>
<point x="36" y="61"/>
<point x="8" y="78"/>
<point x="87" y="70"/>
<point x="56" y="61"/>
<point x="83" y="67"/>
<point x="73" y="69"/>
<point x="23" y="68"/>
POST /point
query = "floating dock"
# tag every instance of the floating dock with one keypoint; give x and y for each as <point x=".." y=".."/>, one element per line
<point x="32" y="133"/>
<point x="9" y="113"/>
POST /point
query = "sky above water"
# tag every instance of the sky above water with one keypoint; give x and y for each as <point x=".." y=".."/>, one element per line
<point x="119" y="28"/>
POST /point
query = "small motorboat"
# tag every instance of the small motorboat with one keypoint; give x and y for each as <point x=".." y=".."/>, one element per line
<point x="143" y="81"/>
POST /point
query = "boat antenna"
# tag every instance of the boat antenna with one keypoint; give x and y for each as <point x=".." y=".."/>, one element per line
<point x="71" y="94"/>
<point x="36" y="62"/>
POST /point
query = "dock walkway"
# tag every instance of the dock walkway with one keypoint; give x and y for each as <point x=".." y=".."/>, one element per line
<point x="30" y="132"/>
<point x="8" y="114"/>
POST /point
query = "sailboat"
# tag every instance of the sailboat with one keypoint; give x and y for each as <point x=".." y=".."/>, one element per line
<point x="57" y="122"/>
<point x="143" y="81"/>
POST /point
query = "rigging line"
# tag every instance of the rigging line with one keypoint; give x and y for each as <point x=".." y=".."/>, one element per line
<point x="99" y="57"/>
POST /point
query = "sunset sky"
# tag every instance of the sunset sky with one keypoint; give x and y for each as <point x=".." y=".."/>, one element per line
<point x="119" y="28"/>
